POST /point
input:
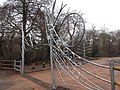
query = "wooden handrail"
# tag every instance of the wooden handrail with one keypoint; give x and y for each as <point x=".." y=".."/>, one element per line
<point x="116" y="68"/>
<point x="7" y="60"/>
<point x="117" y="83"/>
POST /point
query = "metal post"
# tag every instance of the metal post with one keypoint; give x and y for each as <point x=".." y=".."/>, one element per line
<point x="84" y="50"/>
<point x="23" y="52"/>
<point x="51" y="28"/>
<point x="112" y="75"/>
<point x="51" y="60"/>
<point x="84" y="47"/>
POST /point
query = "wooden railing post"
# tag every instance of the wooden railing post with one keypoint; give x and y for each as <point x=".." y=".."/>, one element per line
<point x="14" y="64"/>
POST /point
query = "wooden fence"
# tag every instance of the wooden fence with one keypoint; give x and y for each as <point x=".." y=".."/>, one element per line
<point x="7" y="64"/>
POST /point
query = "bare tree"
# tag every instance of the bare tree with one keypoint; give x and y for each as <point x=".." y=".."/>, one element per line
<point x="26" y="14"/>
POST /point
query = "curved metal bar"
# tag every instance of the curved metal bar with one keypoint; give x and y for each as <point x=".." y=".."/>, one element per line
<point x="96" y="64"/>
<point x="72" y="76"/>
<point x="83" y="28"/>
<point x="98" y="77"/>
<point x="60" y="73"/>
<point x="80" y="75"/>
<point x="81" y="68"/>
<point x="86" y="70"/>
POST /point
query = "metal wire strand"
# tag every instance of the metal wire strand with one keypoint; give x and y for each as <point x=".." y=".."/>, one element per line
<point x="71" y="75"/>
<point x="59" y="73"/>
<point x="103" y="66"/>
<point x="80" y="75"/>
<point x="84" y="69"/>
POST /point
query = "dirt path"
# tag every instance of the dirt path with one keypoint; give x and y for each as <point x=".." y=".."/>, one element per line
<point x="10" y="80"/>
<point x="17" y="82"/>
<point x="45" y="75"/>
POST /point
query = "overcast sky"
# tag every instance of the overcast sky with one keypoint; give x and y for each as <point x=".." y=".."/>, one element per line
<point x="96" y="12"/>
<point x="1" y="1"/>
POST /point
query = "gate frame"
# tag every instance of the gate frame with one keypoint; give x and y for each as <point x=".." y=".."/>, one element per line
<point x="18" y="65"/>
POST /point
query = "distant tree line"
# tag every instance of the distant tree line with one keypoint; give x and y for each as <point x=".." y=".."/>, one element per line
<point x="105" y="43"/>
<point x="28" y="15"/>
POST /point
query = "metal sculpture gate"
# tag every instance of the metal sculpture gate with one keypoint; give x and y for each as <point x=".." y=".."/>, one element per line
<point x="63" y="37"/>
<point x="62" y="41"/>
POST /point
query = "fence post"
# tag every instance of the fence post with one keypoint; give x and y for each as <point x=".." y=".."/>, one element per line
<point x="14" y="64"/>
<point x="111" y="65"/>
<point x="21" y="67"/>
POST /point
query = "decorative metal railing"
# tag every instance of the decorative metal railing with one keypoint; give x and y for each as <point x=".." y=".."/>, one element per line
<point x="62" y="41"/>
<point x="63" y="35"/>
